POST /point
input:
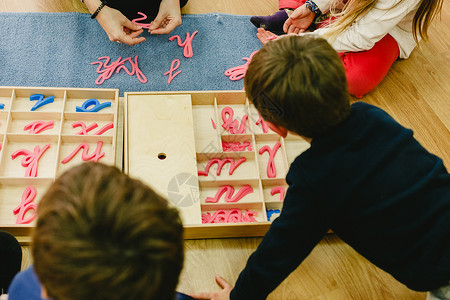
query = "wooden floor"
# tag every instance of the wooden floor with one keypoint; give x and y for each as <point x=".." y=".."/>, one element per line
<point x="416" y="92"/>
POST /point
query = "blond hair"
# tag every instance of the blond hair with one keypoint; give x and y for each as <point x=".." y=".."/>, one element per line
<point x="356" y="9"/>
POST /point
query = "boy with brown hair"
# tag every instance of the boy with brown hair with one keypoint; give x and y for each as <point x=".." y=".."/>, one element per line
<point x="103" y="235"/>
<point x="364" y="176"/>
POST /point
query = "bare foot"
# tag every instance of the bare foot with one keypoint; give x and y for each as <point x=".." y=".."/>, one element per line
<point x="264" y="36"/>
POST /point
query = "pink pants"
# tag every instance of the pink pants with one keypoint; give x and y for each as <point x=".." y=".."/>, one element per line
<point x="365" y="69"/>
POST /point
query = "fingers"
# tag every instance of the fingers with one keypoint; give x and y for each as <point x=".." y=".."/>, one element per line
<point x="167" y="26"/>
<point x="292" y="29"/>
<point x="223" y="283"/>
<point x="135" y="34"/>
<point x="130" y="34"/>
<point x="287" y="24"/>
<point x="202" y="296"/>
<point x="264" y="36"/>
<point x="164" y="30"/>
<point x="156" y="23"/>
<point x="130" y="40"/>
<point x="296" y="14"/>
<point x="128" y="24"/>
<point x="261" y="37"/>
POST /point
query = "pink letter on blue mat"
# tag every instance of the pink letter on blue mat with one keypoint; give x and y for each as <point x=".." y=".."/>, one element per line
<point x="92" y="102"/>
<point x="2" y="106"/>
<point x="40" y="100"/>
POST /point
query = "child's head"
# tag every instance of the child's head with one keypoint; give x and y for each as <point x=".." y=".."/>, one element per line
<point x="299" y="83"/>
<point x="102" y="235"/>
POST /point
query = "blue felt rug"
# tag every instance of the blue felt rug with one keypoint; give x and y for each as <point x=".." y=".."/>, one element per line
<point x="57" y="49"/>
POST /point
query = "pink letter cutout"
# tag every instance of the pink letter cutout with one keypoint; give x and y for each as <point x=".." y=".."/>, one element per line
<point x="104" y="129"/>
<point x="175" y="64"/>
<point x="237" y="73"/>
<point x="27" y="197"/>
<point x="236" y="146"/>
<point x="95" y="156"/>
<point x="229" y="216"/>
<point x="263" y="123"/>
<point x="144" y="17"/>
<point x="220" y="163"/>
<point x="38" y="126"/>
<point x="108" y="70"/>
<point x="187" y="44"/>
<point x="228" y="190"/>
<point x="85" y="129"/>
<point x="30" y="160"/>
<point x="233" y="125"/>
<point x="271" y="170"/>
<point x="278" y="190"/>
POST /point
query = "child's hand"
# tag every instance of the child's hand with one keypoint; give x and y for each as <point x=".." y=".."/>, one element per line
<point x="264" y="35"/>
<point x="168" y="18"/>
<point x="118" y="27"/>
<point x="224" y="294"/>
<point x="299" y="20"/>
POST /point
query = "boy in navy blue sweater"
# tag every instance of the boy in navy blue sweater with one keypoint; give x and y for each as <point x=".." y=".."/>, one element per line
<point x="364" y="176"/>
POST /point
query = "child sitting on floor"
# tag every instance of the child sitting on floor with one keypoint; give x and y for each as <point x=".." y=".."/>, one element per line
<point x="368" y="34"/>
<point x="364" y="176"/>
<point x="102" y="235"/>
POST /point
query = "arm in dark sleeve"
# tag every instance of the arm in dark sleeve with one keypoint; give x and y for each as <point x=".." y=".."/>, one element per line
<point x="289" y="240"/>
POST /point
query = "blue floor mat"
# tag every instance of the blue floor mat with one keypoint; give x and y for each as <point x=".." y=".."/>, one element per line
<point x="57" y="49"/>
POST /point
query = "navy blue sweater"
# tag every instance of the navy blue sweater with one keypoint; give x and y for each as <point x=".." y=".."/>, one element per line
<point x="378" y="189"/>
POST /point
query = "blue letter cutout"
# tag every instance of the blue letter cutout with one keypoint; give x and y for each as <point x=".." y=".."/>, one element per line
<point x="40" y="100"/>
<point x="92" y="102"/>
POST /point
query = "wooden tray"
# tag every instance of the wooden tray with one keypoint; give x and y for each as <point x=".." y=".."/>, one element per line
<point x="170" y="136"/>
<point x="62" y="138"/>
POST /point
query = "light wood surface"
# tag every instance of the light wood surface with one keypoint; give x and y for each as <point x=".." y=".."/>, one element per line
<point x="165" y="123"/>
<point x="416" y="92"/>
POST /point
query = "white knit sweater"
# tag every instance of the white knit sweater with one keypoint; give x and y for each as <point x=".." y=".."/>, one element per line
<point x="387" y="17"/>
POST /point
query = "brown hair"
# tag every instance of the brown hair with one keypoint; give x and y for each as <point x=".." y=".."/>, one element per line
<point x="299" y="83"/>
<point x="355" y="9"/>
<point x="102" y="235"/>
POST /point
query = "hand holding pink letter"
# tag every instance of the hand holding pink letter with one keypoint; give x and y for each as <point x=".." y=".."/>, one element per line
<point x="168" y="18"/>
<point x="118" y="27"/>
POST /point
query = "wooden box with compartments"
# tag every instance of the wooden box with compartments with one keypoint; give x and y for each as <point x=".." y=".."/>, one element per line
<point x="43" y="132"/>
<point x="211" y="154"/>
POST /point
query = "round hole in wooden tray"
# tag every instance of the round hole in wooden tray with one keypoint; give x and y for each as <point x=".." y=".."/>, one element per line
<point x="162" y="156"/>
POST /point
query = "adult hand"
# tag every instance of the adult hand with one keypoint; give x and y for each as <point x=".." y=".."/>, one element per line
<point x="118" y="27"/>
<point x="224" y="294"/>
<point x="299" y="20"/>
<point x="168" y="18"/>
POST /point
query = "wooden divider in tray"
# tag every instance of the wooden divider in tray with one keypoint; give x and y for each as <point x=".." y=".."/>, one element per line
<point x="61" y="139"/>
<point x="171" y="136"/>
